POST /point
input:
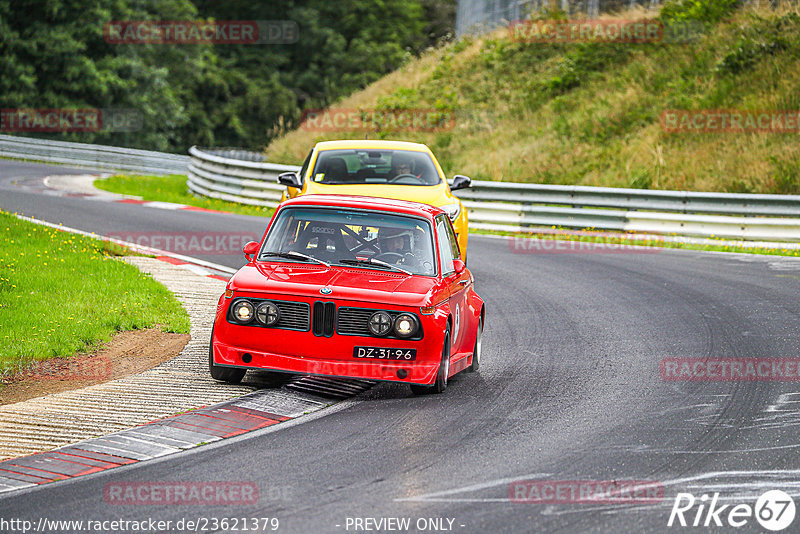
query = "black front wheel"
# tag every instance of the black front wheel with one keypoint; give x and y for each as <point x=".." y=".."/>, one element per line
<point x="441" y="377"/>
<point x="225" y="374"/>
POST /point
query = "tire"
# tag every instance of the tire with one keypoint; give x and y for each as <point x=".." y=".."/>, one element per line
<point x="441" y="376"/>
<point x="224" y="374"/>
<point x="476" y="352"/>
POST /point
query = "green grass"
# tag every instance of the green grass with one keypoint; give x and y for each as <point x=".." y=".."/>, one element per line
<point x="591" y="235"/>
<point x="173" y="188"/>
<point x="589" y="113"/>
<point x="61" y="294"/>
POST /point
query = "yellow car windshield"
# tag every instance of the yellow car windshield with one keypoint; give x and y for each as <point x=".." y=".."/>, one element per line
<point x="374" y="166"/>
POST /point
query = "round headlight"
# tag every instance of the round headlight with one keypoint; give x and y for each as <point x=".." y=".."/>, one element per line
<point x="452" y="210"/>
<point x="267" y="313"/>
<point x="405" y="325"/>
<point x="380" y="323"/>
<point x="243" y="311"/>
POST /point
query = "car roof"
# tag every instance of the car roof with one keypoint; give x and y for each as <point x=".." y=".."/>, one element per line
<point x="403" y="207"/>
<point x="366" y="144"/>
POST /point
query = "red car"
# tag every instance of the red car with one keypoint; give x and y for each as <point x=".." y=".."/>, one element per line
<point x="355" y="287"/>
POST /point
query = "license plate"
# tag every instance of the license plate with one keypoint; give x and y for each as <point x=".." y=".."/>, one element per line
<point x="383" y="353"/>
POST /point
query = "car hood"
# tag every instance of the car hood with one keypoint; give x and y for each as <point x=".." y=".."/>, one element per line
<point x="345" y="283"/>
<point x="434" y="195"/>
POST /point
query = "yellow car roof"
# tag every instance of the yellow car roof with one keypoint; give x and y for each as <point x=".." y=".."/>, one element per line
<point x="366" y="144"/>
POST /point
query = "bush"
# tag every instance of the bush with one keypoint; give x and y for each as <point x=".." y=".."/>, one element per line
<point x="709" y="11"/>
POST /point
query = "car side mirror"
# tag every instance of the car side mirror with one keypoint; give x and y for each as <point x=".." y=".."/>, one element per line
<point x="250" y="250"/>
<point x="289" y="179"/>
<point x="461" y="182"/>
<point x="459" y="266"/>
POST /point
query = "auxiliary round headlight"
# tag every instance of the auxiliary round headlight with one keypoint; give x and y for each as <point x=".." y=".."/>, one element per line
<point x="380" y="323"/>
<point x="267" y="313"/>
<point x="405" y="325"/>
<point x="243" y="311"/>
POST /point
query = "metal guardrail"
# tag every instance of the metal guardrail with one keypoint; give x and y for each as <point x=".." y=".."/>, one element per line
<point x="636" y="199"/>
<point x="523" y="207"/>
<point x="515" y="207"/>
<point x="247" y="181"/>
<point x="480" y="16"/>
<point x="244" y="177"/>
<point x="93" y="156"/>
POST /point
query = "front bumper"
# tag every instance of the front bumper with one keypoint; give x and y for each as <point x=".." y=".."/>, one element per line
<point x="414" y="372"/>
<point x="295" y="351"/>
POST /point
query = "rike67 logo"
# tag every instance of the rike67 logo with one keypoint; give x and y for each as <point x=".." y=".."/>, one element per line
<point x="774" y="510"/>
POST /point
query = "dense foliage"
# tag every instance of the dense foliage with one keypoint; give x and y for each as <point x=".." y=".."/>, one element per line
<point x="53" y="54"/>
<point x="590" y="113"/>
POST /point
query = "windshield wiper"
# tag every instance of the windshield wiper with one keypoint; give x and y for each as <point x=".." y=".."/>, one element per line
<point x="373" y="261"/>
<point x="292" y="255"/>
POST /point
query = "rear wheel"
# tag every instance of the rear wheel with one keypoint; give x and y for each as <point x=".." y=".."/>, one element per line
<point x="476" y="352"/>
<point x="444" y="370"/>
<point x="225" y="374"/>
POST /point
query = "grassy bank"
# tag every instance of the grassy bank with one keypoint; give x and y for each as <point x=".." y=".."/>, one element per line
<point x="172" y="188"/>
<point x="62" y="293"/>
<point x="589" y="113"/>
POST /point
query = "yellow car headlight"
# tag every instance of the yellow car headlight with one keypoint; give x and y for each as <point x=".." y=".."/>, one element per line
<point x="452" y="210"/>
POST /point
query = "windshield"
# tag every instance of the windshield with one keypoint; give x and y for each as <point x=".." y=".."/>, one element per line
<point x="348" y="237"/>
<point x="400" y="167"/>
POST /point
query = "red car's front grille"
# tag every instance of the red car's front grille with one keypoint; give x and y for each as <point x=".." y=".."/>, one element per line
<point x="294" y="315"/>
<point x="323" y="318"/>
<point x="354" y="321"/>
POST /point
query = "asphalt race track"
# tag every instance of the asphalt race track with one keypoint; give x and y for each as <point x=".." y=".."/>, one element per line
<point x="569" y="390"/>
<point x="19" y="183"/>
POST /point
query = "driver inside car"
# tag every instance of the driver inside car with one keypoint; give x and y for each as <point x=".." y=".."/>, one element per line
<point x="394" y="241"/>
<point x="403" y="166"/>
<point x="405" y="247"/>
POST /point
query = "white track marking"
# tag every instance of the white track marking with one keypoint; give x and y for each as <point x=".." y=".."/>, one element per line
<point x="435" y="497"/>
<point x="164" y="205"/>
<point x="753" y="486"/>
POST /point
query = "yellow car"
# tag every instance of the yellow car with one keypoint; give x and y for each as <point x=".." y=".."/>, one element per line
<point x="388" y="169"/>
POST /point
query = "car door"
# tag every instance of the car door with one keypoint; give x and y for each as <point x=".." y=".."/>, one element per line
<point x="457" y="283"/>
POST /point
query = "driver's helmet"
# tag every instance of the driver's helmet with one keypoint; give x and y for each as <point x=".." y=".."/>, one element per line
<point x="396" y="240"/>
<point x="402" y="164"/>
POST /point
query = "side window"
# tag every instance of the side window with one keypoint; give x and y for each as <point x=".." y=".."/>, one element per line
<point x="304" y="169"/>
<point x="453" y="240"/>
<point x="445" y="247"/>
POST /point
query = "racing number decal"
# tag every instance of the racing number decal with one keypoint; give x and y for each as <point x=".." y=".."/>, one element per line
<point x="457" y="325"/>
